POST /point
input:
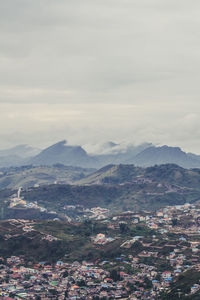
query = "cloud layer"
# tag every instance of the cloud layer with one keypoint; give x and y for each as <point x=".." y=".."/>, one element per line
<point x="99" y="70"/>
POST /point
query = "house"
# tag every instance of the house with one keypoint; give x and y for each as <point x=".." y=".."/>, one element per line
<point x="166" y="274"/>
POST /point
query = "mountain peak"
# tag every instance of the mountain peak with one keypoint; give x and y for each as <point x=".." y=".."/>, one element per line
<point x="164" y="155"/>
<point x="63" y="154"/>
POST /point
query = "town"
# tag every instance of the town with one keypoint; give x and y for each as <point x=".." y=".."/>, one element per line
<point x="147" y="267"/>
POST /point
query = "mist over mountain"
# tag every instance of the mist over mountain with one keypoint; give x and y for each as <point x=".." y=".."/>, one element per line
<point x="144" y="155"/>
<point x="63" y="154"/>
<point x="121" y="154"/>
<point x="21" y="151"/>
<point x="107" y="153"/>
<point x="97" y="156"/>
<point x="162" y="155"/>
<point x="17" y="155"/>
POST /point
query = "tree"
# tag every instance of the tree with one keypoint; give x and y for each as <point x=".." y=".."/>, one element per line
<point x="148" y="283"/>
<point x="131" y="287"/>
<point x="174" y="222"/>
<point x="65" y="274"/>
<point x="66" y="293"/>
<point x="114" y="275"/>
<point x="123" y="227"/>
<point x="81" y="283"/>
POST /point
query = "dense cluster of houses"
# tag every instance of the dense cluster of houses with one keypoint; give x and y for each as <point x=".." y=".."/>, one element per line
<point x="125" y="277"/>
<point x="94" y="213"/>
<point x="60" y="281"/>
<point x="85" y="280"/>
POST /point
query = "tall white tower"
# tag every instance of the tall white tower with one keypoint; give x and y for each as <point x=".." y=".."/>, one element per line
<point x="19" y="192"/>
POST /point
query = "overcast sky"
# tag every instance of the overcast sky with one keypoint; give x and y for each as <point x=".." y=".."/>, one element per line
<point x="97" y="70"/>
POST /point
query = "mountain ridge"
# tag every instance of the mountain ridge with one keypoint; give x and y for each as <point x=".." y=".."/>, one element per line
<point x="144" y="155"/>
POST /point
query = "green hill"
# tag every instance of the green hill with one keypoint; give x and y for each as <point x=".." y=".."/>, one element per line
<point x="113" y="174"/>
<point x="27" y="176"/>
<point x="164" y="174"/>
<point x="125" y="187"/>
<point x="117" y="198"/>
<point x="118" y="188"/>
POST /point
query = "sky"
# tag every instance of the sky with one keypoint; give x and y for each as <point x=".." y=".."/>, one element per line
<point x="96" y="70"/>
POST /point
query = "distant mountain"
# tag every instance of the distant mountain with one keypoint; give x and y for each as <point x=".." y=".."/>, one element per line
<point x="194" y="156"/>
<point x="17" y="156"/>
<point x="163" y="155"/>
<point x="10" y="160"/>
<point x="21" y="151"/>
<point x="119" y="154"/>
<point x="63" y="154"/>
<point x="143" y="155"/>
<point x="108" y="148"/>
<point x="77" y="156"/>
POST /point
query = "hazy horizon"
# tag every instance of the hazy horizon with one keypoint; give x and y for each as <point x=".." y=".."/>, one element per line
<point x="95" y="148"/>
<point x="93" y="71"/>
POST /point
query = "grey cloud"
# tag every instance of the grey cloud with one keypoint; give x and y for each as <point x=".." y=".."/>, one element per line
<point x="64" y="60"/>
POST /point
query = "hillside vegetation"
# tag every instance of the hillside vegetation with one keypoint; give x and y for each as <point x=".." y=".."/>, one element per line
<point x="28" y="176"/>
<point x="71" y="241"/>
<point x="121" y="174"/>
<point x="116" y="187"/>
<point x="124" y="187"/>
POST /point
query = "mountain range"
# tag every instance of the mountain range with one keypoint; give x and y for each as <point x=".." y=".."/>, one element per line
<point x="144" y="155"/>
